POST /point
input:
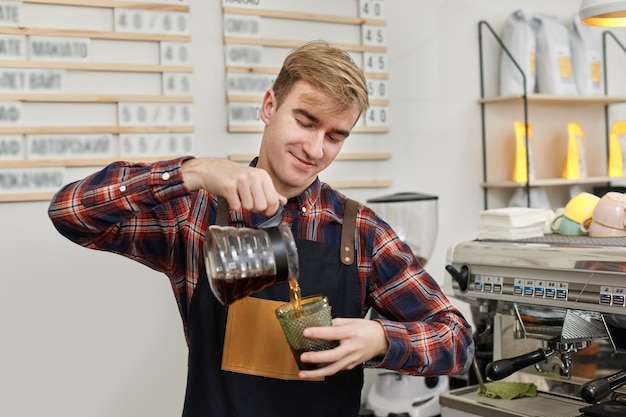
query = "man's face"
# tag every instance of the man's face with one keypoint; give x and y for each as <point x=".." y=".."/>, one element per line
<point x="300" y="138"/>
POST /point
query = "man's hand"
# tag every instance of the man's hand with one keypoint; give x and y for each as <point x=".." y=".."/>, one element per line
<point x="359" y="341"/>
<point x="242" y="186"/>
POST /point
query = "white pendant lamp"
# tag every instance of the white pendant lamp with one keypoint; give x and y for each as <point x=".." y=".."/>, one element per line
<point x="608" y="13"/>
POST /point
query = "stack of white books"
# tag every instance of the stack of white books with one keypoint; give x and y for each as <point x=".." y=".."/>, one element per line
<point x="512" y="223"/>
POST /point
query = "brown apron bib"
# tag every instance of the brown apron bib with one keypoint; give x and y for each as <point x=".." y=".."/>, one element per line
<point x="254" y="342"/>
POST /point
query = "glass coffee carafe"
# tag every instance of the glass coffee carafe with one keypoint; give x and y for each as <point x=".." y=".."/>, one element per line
<point x="242" y="261"/>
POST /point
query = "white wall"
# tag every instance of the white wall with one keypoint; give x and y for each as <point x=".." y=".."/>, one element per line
<point x="91" y="334"/>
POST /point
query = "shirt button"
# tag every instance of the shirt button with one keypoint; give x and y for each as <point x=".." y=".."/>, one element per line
<point x="122" y="188"/>
<point x="165" y="176"/>
<point x="303" y="210"/>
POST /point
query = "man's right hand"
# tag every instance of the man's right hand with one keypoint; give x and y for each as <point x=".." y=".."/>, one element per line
<point x="242" y="186"/>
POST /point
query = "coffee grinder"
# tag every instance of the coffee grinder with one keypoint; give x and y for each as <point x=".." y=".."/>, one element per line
<point x="414" y="217"/>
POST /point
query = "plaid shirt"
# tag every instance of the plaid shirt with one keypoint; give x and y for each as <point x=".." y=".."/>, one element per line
<point x="144" y="212"/>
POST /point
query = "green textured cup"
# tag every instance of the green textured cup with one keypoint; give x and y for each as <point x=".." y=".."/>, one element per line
<point x="315" y="313"/>
<point x="567" y="227"/>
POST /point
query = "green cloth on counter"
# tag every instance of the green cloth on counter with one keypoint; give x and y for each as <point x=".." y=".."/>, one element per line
<point x="509" y="390"/>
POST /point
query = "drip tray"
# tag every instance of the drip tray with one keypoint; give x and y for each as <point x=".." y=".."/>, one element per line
<point x="556" y="239"/>
<point x="467" y="400"/>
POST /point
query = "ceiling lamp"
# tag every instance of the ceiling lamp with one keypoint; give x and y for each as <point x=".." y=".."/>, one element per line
<point x="609" y="13"/>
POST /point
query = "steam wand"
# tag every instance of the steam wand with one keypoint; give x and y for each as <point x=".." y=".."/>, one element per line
<point x="479" y="377"/>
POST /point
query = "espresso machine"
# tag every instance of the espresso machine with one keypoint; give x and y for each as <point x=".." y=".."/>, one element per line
<point x="414" y="217"/>
<point x="549" y="311"/>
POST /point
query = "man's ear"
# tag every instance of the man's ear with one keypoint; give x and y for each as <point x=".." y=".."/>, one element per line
<point x="268" y="106"/>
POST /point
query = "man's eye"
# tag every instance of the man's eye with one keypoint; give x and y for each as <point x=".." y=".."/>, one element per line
<point x="303" y="124"/>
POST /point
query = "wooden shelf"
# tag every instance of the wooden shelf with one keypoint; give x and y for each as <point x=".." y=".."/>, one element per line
<point x="549" y="182"/>
<point x="548" y="115"/>
<point x="551" y="99"/>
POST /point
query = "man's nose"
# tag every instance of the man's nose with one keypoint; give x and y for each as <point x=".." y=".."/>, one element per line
<point x="315" y="145"/>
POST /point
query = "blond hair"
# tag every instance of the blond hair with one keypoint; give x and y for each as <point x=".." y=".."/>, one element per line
<point x="327" y="69"/>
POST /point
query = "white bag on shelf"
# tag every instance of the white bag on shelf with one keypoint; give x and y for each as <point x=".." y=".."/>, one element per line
<point x="538" y="198"/>
<point x="586" y="58"/>
<point x="554" y="64"/>
<point x="519" y="39"/>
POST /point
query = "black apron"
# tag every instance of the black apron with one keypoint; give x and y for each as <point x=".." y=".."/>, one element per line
<point x="212" y="392"/>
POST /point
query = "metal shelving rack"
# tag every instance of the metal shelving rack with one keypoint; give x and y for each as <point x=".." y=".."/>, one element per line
<point x="525" y="98"/>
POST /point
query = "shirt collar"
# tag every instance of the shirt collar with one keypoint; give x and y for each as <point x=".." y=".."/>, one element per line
<point x="306" y="202"/>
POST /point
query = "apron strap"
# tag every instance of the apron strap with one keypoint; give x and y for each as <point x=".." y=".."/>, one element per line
<point x="222" y="216"/>
<point x="347" y="232"/>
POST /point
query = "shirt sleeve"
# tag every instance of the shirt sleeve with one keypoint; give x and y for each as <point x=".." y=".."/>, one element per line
<point x="427" y="335"/>
<point x="121" y="209"/>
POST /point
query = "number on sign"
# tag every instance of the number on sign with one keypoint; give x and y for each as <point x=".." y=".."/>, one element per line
<point x="176" y="83"/>
<point x="156" y="114"/>
<point x="373" y="35"/>
<point x="374" y="62"/>
<point x="150" y="21"/>
<point x="377" y="116"/>
<point x="371" y="8"/>
<point x="175" y="53"/>
<point x="155" y="144"/>
<point x="377" y="88"/>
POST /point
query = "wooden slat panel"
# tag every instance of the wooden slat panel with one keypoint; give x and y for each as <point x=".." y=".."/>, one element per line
<point x="73" y="162"/>
<point x="4" y="198"/>
<point x="276" y="70"/>
<point x="111" y="4"/>
<point x="360" y="156"/>
<point x="96" y="98"/>
<point x="257" y="99"/>
<point x="312" y="17"/>
<point x="359" y="183"/>
<point x="290" y="43"/>
<point x="18" y="197"/>
<point x="90" y="97"/>
<point x="94" y="34"/>
<point x="26" y="130"/>
<point x="259" y="129"/>
<point x="97" y="66"/>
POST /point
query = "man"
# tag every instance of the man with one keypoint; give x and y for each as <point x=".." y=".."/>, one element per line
<point x="158" y="214"/>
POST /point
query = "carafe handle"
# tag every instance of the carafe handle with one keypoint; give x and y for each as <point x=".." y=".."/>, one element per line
<point x="273" y="221"/>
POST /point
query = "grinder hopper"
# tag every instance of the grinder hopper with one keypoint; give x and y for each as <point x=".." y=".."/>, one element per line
<point x="414" y="218"/>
